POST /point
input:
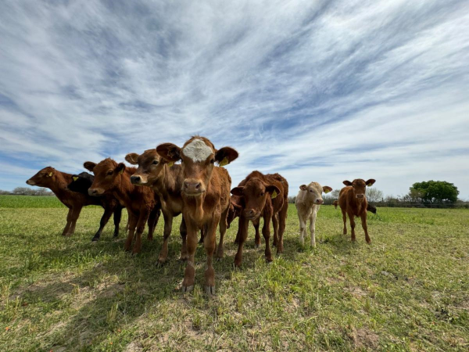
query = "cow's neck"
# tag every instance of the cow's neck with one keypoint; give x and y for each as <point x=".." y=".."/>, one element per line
<point x="59" y="187"/>
<point x="196" y="206"/>
<point x="124" y="189"/>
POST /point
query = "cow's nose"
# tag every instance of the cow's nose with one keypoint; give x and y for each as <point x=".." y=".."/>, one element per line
<point x="92" y="192"/>
<point x="319" y="201"/>
<point x="191" y="187"/>
<point x="250" y="213"/>
<point x="360" y="195"/>
<point x="135" y="179"/>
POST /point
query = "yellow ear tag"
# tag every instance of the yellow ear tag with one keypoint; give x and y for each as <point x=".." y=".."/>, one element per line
<point x="369" y="184"/>
<point x="171" y="163"/>
<point x="274" y="195"/>
<point x="75" y="178"/>
<point x="327" y="191"/>
<point x="224" y="162"/>
<point x="122" y="171"/>
<point x="50" y="174"/>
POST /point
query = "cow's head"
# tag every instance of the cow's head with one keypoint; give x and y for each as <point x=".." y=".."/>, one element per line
<point x="81" y="182"/>
<point x="314" y="192"/>
<point x="198" y="156"/>
<point x="43" y="178"/>
<point x="107" y="175"/>
<point x="255" y="193"/>
<point x="150" y="167"/>
<point x="359" y="186"/>
<point x="236" y="207"/>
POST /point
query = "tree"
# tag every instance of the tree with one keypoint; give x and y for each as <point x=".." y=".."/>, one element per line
<point x="434" y="191"/>
<point x="374" y="195"/>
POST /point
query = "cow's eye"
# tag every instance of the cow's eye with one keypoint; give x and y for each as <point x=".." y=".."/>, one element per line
<point x="110" y="172"/>
<point x="311" y="190"/>
<point x="262" y="194"/>
<point x="155" y="162"/>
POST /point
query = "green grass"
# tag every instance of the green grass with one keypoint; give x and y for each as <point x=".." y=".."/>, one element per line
<point x="10" y="201"/>
<point x="408" y="291"/>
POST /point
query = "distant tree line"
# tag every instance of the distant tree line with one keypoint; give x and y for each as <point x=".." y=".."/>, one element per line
<point x="25" y="191"/>
<point x="426" y="194"/>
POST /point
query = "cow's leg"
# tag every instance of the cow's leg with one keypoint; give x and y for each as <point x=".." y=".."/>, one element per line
<point x="352" y="224"/>
<point x="117" y="220"/>
<point x="275" y="244"/>
<point x="210" y="243"/>
<point x="275" y="226"/>
<point x="104" y="219"/>
<point x="302" y="228"/>
<point x="74" y="217"/>
<point x="266" y="233"/>
<point x="312" y="227"/>
<point x="365" y="227"/>
<point x="69" y="222"/>
<point x="243" y="234"/>
<point x="223" y="226"/>
<point x="132" y="223"/>
<point x="282" y="217"/>
<point x="168" y="224"/>
<point x="142" y="220"/>
<point x="257" y="239"/>
<point x="238" y="236"/>
<point x="191" y="240"/>
<point x="344" y="218"/>
<point x="183" y="231"/>
<point x="153" y="217"/>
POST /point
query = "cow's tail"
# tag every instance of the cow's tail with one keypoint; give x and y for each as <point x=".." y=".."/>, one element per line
<point x="336" y="203"/>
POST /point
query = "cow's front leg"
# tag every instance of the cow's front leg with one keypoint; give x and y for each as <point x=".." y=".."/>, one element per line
<point x="191" y="243"/>
<point x="210" y="244"/>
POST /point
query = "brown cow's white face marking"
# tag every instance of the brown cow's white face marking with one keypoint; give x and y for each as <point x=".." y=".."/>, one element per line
<point x="197" y="150"/>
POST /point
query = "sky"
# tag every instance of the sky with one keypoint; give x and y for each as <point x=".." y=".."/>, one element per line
<point x="316" y="90"/>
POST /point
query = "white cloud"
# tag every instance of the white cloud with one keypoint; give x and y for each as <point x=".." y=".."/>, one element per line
<point x="315" y="90"/>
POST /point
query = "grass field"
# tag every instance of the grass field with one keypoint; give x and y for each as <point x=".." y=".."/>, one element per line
<point x="409" y="290"/>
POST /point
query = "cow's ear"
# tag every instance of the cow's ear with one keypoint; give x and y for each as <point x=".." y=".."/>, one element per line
<point x="327" y="189"/>
<point x="169" y="152"/>
<point x="236" y="203"/>
<point x="120" y="168"/>
<point x="226" y="155"/>
<point x="304" y="187"/>
<point x="273" y="190"/>
<point x="347" y="183"/>
<point x="132" y="158"/>
<point x="370" y="182"/>
<point x="89" y="165"/>
<point x="237" y="191"/>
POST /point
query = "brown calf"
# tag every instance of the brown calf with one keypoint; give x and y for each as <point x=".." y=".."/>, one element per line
<point x="141" y="202"/>
<point x="57" y="182"/>
<point x="352" y="201"/>
<point x="166" y="179"/>
<point x="263" y="196"/>
<point x="206" y="199"/>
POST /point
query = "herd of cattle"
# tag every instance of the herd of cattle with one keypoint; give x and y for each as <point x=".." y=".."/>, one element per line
<point x="200" y="191"/>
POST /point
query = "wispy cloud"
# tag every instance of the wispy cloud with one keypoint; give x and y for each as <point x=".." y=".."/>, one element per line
<point x="315" y="90"/>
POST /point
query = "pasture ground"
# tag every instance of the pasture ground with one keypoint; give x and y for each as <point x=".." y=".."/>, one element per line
<point x="409" y="290"/>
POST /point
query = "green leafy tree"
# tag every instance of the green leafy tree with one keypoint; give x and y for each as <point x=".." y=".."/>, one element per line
<point x="434" y="192"/>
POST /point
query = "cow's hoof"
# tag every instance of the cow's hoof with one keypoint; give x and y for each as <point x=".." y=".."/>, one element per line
<point x="236" y="266"/>
<point x="187" y="288"/>
<point x="210" y="290"/>
<point x="257" y="246"/>
<point x="95" y="239"/>
<point x="160" y="263"/>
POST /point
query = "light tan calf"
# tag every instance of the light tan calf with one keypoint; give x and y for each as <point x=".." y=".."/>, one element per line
<point x="308" y="202"/>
